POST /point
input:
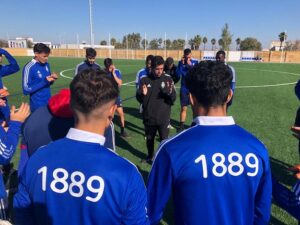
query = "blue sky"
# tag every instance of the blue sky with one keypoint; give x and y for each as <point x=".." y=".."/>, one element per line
<point x="55" y="20"/>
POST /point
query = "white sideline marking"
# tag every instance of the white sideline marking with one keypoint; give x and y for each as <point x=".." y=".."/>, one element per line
<point x="238" y="87"/>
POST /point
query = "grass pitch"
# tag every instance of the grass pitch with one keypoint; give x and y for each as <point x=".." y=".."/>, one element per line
<point x="264" y="103"/>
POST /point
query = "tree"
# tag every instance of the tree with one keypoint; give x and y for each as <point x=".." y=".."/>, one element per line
<point x="168" y="44"/>
<point x="197" y="41"/>
<point x="3" y="43"/>
<point x="29" y="44"/>
<point x="238" y="42"/>
<point x="133" y="40"/>
<point x="213" y="42"/>
<point x="153" y="44"/>
<point x="144" y="43"/>
<point x="250" y="43"/>
<point x="292" y="46"/>
<point x="113" y="41"/>
<point x="220" y="43"/>
<point x="204" y="42"/>
<point x="119" y="45"/>
<point x="282" y="37"/>
<point x="226" y="37"/>
<point x="103" y="42"/>
<point x="192" y="44"/>
<point x="160" y="43"/>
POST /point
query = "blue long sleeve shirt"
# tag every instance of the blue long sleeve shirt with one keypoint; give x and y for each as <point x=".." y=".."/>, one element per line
<point x="217" y="172"/>
<point x="6" y="70"/>
<point x="86" y="65"/>
<point x="35" y="83"/>
<point x="8" y="145"/>
<point x="76" y="180"/>
<point x="182" y="70"/>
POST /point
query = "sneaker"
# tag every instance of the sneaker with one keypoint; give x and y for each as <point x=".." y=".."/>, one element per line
<point x="170" y="126"/>
<point x="124" y="135"/>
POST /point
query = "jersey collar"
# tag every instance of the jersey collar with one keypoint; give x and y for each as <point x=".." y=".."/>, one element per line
<point x="85" y="136"/>
<point x="214" y="120"/>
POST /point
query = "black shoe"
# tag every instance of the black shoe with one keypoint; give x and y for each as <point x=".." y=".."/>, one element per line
<point x="147" y="160"/>
<point x="124" y="135"/>
<point x="180" y="129"/>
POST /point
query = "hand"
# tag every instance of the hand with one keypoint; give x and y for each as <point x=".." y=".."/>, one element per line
<point x="3" y="93"/>
<point x="21" y="114"/>
<point x="144" y="89"/>
<point x="2" y="102"/>
<point x="182" y="60"/>
<point x="53" y="77"/>
<point x="296" y="170"/>
<point x="189" y="62"/>
<point x="296" y="132"/>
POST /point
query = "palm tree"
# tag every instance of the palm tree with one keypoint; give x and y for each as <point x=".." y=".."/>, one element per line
<point x="213" y="42"/>
<point x="238" y="42"/>
<point x="197" y="41"/>
<point x="204" y="41"/>
<point x="282" y="37"/>
<point x="221" y="43"/>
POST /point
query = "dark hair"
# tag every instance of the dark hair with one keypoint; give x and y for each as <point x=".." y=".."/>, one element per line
<point x="209" y="82"/>
<point x="108" y="62"/>
<point x="156" y="61"/>
<point x="187" y="51"/>
<point x="221" y="52"/>
<point x="41" y="48"/>
<point x="169" y="61"/>
<point x="91" y="89"/>
<point x="149" y="58"/>
<point x="90" y="52"/>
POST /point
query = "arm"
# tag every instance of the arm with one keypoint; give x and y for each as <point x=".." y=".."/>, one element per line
<point x="263" y="196"/>
<point x="159" y="186"/>
<point x="117" y="76"/>
<point x="28" y="87"/>
<point x="139" y="92"/>
<point x="23" y="207"/>
<point x="169" y="90"/>
<point x="13" y="66"/>
<point x="135" y="201"/>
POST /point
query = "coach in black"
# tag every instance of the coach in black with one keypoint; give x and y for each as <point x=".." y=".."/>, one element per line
<point x="157" y="94"/>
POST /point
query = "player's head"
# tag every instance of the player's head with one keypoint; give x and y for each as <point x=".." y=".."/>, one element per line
<point x="157" y="66"/>
<point x="169" y="62"/>
<point x="187" y="53"/>
<point x="108" y="64"/>
<point x="41" y="52"/>
<point x="209" y="84"/>
<point x="148" y="61"/>
<point x="90" y="55"/>
<point x="220" y="56"/>
<point x="93" y="96"/>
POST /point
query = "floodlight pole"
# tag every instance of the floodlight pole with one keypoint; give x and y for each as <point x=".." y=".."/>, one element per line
<point x="109" y="45"/>
<point x="186" y="37"/>
<point x="145" y="43"/>
<point x="165" y="45"/>
<point x="91" y="24"/>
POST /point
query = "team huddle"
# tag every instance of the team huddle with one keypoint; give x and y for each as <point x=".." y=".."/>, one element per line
<point x="70" y="173"/>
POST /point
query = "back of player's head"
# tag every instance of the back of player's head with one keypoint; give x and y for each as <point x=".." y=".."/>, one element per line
<point x="41" y="48"/>
<point x="169" y="61"/>
<point x="90" y="52"/>
<point x="221" y="52"/>
<point x="209" y="82"/>
<point x="91" y="89"/>
<point x="187" y="51"/>
<point x="108" y="62"/>
<point x="157" y="61"/>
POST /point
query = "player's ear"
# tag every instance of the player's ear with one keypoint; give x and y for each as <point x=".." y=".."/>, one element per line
<point x="111" y="114"/>
<point x="229" y="97"/>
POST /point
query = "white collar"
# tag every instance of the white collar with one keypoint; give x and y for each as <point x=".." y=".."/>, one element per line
<point x="85" y="136"/>
<point x="214" y="120"/>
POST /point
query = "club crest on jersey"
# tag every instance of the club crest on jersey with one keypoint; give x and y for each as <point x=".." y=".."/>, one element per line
<point x="47" y="69"/>
<point x="39" y="74"/>
<point x="149" y="85"/>
<point x="163" y="84"/>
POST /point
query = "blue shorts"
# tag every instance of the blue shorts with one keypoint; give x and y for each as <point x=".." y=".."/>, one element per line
<point x="119" y="102"/>
<point x="184" y="98"/>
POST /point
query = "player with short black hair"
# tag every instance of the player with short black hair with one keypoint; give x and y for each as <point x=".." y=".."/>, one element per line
<point x="217" y="172"/>
<point x="157" y="94"/>
<point x="89" y="62"/>
<point x="37" y="77"/>
<point x="145" y="71"/>
<point x="184" y="65"/>
<point x="76" y="180"/>
<point x="117" y="76"/>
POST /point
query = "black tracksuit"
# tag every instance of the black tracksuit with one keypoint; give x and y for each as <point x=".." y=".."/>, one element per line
<point x="173" y="73"/>
<point x="156" y="107"/>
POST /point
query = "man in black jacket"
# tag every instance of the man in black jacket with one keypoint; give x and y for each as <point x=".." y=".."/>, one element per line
<point x="157" y="94"/>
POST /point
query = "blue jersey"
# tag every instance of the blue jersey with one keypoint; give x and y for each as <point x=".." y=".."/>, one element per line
<point x="86" y="65"/>
<point x="8" y="145"/>
<point x="35" y="83"/>
<point x="119" y="75"/>
<point x="76" y="180"/>
<point x="141" y="73"/>
<point x="218" y="174"/>
<point x="182" y="70"/>
<point x="5" y="70"/>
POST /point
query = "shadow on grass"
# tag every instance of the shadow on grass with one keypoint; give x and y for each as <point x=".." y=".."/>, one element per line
<point x="281" y="173"/>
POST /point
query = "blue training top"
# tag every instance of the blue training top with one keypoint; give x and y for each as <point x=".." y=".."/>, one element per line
<point x="182" y="70"/>
<point x="218" y="174"/>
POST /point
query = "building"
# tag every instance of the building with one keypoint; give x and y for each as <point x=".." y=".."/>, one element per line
<point x="275" y="46"/>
